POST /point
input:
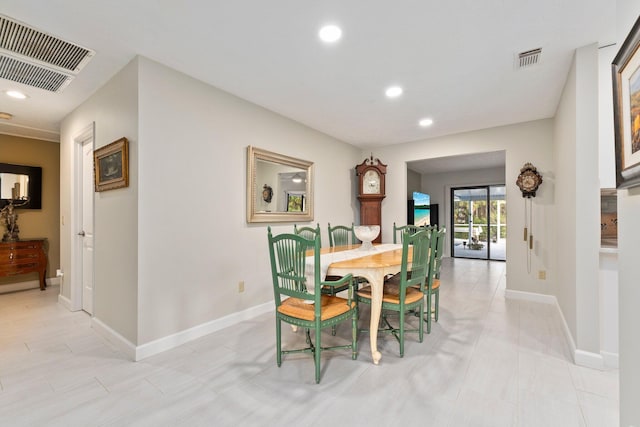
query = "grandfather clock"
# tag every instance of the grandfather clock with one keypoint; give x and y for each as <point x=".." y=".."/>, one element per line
<point x="371" y="173"/>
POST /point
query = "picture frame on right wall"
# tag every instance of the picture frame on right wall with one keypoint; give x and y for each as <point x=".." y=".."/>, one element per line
<point x="626" y="109"/>
<point x="111" y="165"/>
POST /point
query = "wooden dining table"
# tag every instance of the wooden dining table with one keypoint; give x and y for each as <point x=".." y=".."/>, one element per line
<point x="374" y="265"/>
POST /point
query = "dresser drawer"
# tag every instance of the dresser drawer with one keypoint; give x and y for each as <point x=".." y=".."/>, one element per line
<point x="22" y="257"/>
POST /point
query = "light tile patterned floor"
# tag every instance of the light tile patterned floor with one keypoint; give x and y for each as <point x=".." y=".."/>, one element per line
<point x="488" y="362"/>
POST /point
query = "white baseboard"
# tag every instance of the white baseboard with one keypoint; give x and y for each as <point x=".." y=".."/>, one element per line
<point x="126" y="346"/>
<point x="167" y="343"/>
<point x="580" y="357"/>
<point x="65" y="302"/>
<point x="52" y="281"/>
<point x="611" y="360"/>
<point x="589" y="359"/>
<point x="29" y="284"/>
<point x="172" y="341"/>
<point x="530" y="296"/>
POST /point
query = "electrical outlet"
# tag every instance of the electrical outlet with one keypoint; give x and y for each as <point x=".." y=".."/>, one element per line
<point x="542" y="275"/>
<point x="241" y="286"/>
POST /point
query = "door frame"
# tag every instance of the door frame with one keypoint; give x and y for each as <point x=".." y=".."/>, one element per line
<point x="84" y="136"/>
<point x="487" y="187"/>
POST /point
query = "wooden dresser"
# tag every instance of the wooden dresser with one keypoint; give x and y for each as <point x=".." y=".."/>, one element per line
<point x="22" y="257"/>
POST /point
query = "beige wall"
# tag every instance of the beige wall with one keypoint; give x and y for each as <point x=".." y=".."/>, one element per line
<point x="114" y="110"/>
<point x="171" y="249"/>
<point x="37" y="222"/>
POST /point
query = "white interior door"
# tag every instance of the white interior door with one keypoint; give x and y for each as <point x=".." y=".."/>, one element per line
<point x="87" y="226"/>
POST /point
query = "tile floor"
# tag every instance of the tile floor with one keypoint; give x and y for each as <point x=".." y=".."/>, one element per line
<point x="488" y="362"/>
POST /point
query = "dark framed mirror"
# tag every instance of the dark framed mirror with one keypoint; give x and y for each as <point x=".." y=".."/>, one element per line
<point x="21" y="183"/>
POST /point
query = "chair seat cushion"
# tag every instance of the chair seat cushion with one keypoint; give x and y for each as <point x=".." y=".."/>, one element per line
<point x="391" y="294"/>
<point x="331" y="307"/>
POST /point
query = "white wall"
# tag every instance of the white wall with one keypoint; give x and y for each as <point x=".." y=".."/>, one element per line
<point x="606" y="153"/>
<point x="114" y="109"/>
<point x="524" y="142"/>
<point x="577" y="203"/>
<point x="194" y="249"/>
<point x="629" y="269"/>
<point x="413" y="183"/>
<point x="587" y="193"/>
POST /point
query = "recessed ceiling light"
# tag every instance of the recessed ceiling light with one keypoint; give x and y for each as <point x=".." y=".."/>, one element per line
<point x="330" y="33"/>
<point x="5" y="116"/>
<point x="393" y="91"/>
<point x="425" y="122"/>
<point x="16" y="94"/>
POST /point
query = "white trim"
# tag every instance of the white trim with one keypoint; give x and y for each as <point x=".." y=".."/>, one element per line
<point x="611" y="360"/>
<point x="172" y="341"/>
<point x="28" y="284"/>
<point x="580" y="357"/>
<point x="589" y="359"/>
<point x="52" y="281"/>
<point x="75" y="285"/>
<point x="126" y="346"/>
<point x="177" y="339"/>
<point x="65" y="302"/>
<point x="567" y="332"/>
<point x="530" y="296"/>
<point x="20" y="286"/>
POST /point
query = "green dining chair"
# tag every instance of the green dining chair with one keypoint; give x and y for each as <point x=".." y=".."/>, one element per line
<point x="434" y="275"/>
<point x="341" y="235"/>
<point x="308" y="233"/>
<point x="408" y="293"/>
<point x="401" y="229"/>
<point x="297" y="306"/>
<point x="432" y="284"/>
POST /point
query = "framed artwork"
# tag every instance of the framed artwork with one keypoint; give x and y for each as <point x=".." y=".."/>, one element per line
<point x="295" y="202"/>
<point x="626" y="110"/>
<point x="111" y="165"/>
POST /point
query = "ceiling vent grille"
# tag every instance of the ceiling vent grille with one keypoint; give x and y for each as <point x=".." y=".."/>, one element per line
<point x="529" y="58"/>
<point x="32" y="75"/>
<point x="34" y="58"/>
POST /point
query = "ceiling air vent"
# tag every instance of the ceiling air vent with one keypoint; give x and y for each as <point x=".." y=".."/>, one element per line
<point x="34" y="58"/>
<point x="528" y="58"/>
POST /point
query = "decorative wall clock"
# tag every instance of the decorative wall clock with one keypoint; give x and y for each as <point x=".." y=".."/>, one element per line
<point x="528" y="181"/>
<point x="267" y="193"/>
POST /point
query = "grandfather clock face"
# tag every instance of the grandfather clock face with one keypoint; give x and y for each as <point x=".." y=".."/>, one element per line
<point x="371" y="182"/>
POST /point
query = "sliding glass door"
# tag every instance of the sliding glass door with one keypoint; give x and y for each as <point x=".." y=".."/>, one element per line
<point x="479" y="222"/>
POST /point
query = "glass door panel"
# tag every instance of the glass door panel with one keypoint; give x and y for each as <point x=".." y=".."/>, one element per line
<point x="479" y="222"/>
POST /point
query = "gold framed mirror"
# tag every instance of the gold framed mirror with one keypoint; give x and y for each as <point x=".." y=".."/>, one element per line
<point x="279" y="187"/>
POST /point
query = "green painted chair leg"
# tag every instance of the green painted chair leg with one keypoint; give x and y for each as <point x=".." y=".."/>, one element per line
<point x="421" y="328"/>
<point x="428" y="311"/>
<point x="401" y="334"/>
<point x="278" y="342"/>
<point x="316" y="354"/>
<point x="437" y="304"/>
<point x="354" y="337"/>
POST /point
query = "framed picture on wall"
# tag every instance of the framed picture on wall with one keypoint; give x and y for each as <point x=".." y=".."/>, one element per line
<point x="626" y="110"/>
<point x="111" y="165"/>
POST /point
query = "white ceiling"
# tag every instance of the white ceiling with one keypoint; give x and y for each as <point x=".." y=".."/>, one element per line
<point x="455" y="59"/>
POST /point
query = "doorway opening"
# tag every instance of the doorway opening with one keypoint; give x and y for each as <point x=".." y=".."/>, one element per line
<point x="479" y="222"/>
